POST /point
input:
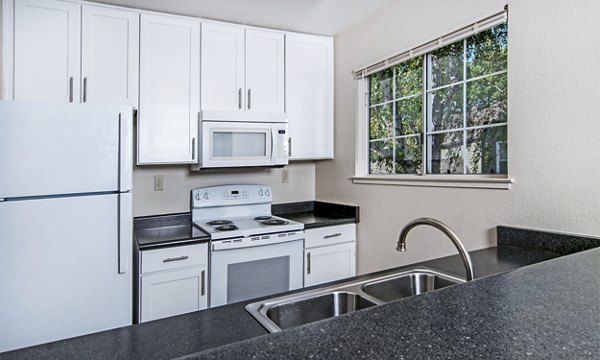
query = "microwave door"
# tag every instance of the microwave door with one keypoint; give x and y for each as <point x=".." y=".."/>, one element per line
<point x="236" y="144"/>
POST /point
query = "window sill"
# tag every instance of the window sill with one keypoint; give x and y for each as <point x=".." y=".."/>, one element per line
<point x="452" y="181"/>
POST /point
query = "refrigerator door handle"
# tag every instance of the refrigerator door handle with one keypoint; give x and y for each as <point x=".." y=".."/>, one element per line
<point x="125" y="151"/>
<point x="125" y="232"/>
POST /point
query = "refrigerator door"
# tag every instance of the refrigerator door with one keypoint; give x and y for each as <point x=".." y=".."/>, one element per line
<point x="51" y="149"/>
<point x="59" y="269"/>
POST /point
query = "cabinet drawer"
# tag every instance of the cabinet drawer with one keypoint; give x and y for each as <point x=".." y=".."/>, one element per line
<point x="174" y="258"/>
<point x="329" y="235"/>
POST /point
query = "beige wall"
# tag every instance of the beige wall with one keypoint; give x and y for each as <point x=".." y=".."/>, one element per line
<point x="178" y="181"/>
<point x="554" y="129"/>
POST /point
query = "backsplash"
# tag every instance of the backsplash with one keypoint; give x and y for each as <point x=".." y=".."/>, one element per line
<point x="178" y="181"/>
<point x="560" y="243"/>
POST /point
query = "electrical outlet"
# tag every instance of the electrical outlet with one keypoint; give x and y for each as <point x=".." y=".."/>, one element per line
<point x="158" y="182"/>
<point x="285" y="176"/>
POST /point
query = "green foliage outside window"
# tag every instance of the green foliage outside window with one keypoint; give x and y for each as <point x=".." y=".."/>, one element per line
<point x="463" y="91"/>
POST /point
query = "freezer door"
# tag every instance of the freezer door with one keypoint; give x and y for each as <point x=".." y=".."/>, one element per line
<point x="48" y="149"/>
<point x="59" y="269"/>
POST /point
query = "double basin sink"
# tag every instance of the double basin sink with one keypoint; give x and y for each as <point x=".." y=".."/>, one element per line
<point x="289" y="311"/>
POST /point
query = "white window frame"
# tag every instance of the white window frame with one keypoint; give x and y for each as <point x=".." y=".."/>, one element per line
<point x="362" y="175"/>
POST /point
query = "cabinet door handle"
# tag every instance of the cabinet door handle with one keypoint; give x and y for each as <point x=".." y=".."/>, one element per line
<point x="193" y="148"/>
<point x="202" y="283"/>
<point x="71" y="89"/>
<point x="308" y="263"/>
<point x="289" y="147"/>
<point x="249" y="97"/>
<point x="332" y="235"/>
<point x="240" y="98"/>
<point x="175" y="258"/>
<point x="85" y="89"/>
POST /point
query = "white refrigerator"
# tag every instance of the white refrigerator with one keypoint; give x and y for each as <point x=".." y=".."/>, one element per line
<point x="65" y="221"/>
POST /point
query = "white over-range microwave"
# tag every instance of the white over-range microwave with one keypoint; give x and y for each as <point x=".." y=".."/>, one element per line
<point x="234" y="141"/>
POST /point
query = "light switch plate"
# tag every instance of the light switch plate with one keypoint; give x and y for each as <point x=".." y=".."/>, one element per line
<point x="158" y="182"/>
<point x="285" y="176"/>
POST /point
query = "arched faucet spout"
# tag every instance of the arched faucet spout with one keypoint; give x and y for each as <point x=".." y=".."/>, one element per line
<point x="401" y="246"/>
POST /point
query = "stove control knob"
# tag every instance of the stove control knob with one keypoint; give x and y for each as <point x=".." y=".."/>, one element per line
<point x="260" y="192"/>
<point x="267" y="193"/>
<point x="198" y="196"/>
<point x="206" y="197"/>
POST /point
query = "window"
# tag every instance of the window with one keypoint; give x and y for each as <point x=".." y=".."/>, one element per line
<point x="444" y="112"/>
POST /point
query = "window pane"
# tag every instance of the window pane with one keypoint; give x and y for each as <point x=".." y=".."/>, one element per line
<point x="445" y="108"/>
<point x="409" y="116"/>
<point x="487" y="51"/>
<point x="409" y="155"/>
<point x="486" y="101"/>
<point x="381" y="122"/>
<point x="409" y="77"/>
<point x="446" y="153"/>
<point x="381" y="157"/>
<point x="446" y="65"/>
<point x="487" y="151"/>
<point x="381" y="86"/>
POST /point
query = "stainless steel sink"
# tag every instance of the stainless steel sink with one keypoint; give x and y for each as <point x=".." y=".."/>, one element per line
<point x="290" y="314"/>
<point x="405" y="285"/>
<point x="288" y="311"/>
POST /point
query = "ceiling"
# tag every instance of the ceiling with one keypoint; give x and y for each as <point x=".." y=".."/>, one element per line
<point x="323" y="17"/>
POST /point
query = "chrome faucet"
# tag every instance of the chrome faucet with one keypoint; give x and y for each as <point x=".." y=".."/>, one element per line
<point x="443" y="228"/>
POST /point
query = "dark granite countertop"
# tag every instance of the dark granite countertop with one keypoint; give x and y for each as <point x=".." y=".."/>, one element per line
<point x="545" y="310"/>
<point x="167" y="230"/>
<point x="315" y="214"/>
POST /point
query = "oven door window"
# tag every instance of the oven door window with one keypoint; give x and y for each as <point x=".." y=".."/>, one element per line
<point x="239" y="144"/>
<point x="252" y="279"/>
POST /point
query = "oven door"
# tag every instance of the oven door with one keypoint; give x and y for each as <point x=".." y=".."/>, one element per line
<point x="233" y="144"/>
<point x="248" y="272"/>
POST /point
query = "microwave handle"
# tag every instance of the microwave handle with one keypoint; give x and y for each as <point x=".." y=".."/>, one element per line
<point x="273" y="161"/>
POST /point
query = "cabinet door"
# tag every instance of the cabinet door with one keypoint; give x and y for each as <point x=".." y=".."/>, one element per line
<point x="329" y="263"/>
<point x="223" y="85"/>
<point x="265" y="71"/>
<point x="47" y="39"/>
<point x="169" y="90"/>
<point x="173" y="293"/>
<point x="309" y="95"/>
<point x="109" y="56"/>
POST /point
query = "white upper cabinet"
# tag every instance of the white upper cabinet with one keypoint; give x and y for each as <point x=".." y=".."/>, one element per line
<point x="67" y="52"/>
<point x="309" y="95"/>
<point x="265" y="71"/>
<point x="46" y="50"/>
<point x="222" y="67"/>
<point x="109" y="56"/>
<point x="169" y="90"/>
<point x="242" y="69"/>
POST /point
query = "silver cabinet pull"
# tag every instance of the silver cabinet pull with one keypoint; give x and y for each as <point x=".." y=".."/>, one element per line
<point x="240" y="98"/>
<point x="332" y="235"/>
<point x="175" y="258"/>
<point x="193" y="148"/>
<point x="84" y="89"/>
<point x="71" y="89"/>
<point x="202" y="283"/>
<point x="289" y="147"/>
<point x="249" y="97"/>
<point x="307" y="263"/>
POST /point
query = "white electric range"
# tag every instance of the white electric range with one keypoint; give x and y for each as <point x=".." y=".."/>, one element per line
<point x="253" y="253"/>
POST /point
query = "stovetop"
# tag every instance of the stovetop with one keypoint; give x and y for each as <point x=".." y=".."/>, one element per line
<point x="247" y="226"/>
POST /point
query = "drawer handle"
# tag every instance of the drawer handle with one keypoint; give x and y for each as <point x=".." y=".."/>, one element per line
<point x="332" y="236"/>
<point x="175" y="258"/>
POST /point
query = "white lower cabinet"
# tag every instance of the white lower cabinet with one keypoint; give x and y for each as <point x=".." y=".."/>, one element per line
<point x="173" y="281"/>
<point x="329" y="254"/>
